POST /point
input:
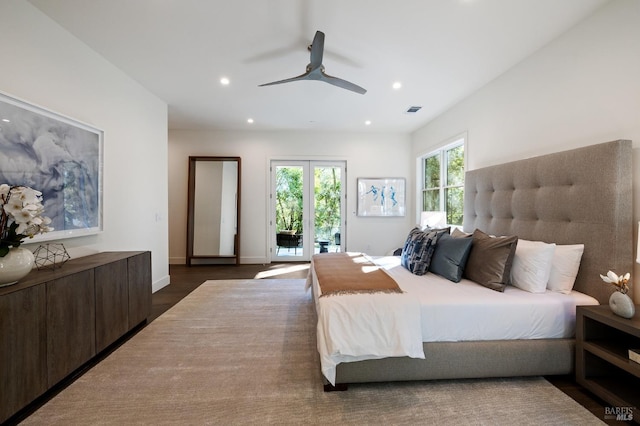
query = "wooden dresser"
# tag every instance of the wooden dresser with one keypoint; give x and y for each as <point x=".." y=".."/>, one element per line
<point x="54" y="321"/>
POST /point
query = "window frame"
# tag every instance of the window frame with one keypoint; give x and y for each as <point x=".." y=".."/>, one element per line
<point x="441" y="151"/>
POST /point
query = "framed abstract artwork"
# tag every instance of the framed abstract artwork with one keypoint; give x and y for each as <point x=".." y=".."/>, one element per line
<point x="381" y="197"/>
<point x="58" y="156"/>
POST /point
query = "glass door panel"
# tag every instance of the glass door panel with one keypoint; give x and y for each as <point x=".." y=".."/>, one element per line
<point x="307" y="208"/>
<point x="328" y="206"/>
<point x="289" y="182"/>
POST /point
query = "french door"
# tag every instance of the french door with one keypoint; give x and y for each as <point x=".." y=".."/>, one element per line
<point x="307" y="208"/>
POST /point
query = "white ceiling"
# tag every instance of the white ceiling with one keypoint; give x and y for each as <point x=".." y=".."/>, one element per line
<point x="441" y="51"/>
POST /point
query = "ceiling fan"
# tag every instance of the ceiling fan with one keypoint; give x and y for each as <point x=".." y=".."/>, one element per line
<point x="315" y="69"/>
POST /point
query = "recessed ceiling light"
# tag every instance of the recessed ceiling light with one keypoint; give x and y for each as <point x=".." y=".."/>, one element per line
<point x="224" y="81"/>
<point x="397" y="85"/>
<point x="250" y="120"/>
<point x="367" y="123"/>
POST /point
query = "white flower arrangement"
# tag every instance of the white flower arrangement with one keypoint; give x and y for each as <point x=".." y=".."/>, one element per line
<point x="21" y="216"/>
<point x="620" y="282"/>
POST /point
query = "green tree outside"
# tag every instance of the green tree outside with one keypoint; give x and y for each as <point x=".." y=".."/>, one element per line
<point x="289" y="198"/>
<point x="327" y="191"/>
<point x="453" y="188"/>
<point x="454" y="191"/>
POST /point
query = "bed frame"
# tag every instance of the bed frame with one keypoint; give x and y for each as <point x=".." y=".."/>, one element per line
<point x="578" y="196"/>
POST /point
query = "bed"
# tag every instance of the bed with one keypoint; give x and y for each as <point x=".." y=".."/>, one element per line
<point x="581" y="196"/>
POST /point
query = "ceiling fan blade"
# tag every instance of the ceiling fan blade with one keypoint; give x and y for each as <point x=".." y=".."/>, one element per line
<point x="317" y="50"/>
<point x="287" y="80"/>
<point x="315" y="69"/>
<point x="344" y="84"/>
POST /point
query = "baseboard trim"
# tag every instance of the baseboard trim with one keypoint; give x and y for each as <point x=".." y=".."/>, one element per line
<point x="161" y="283"/>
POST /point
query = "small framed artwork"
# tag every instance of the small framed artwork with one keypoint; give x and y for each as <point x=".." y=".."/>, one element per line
<point x="381" y="197"/>
<point x="58" y="156"/>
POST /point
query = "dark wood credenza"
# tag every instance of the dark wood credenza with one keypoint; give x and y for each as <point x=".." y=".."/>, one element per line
<point x="54" y="321"/>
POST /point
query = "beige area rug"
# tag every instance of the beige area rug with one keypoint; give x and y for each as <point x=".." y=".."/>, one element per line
<point x="243" y="352"/>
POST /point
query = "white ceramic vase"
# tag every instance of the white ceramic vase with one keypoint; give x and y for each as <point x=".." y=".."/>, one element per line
<point x="15" y="265"/>
<point x="622" y="305"/>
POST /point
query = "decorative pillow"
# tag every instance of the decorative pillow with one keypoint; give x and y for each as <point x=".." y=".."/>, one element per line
<point x="440" y="231"/>
<point x="418" y="250"/>
<point x="450" y="257"/>
<point x="564" y="267"/>
<point x="532" y="265"/>
<point x="459" y="233"/>
<point x="490" y="260"/>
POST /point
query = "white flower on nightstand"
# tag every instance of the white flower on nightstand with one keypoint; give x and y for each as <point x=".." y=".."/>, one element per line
<point x="619" y="281"/>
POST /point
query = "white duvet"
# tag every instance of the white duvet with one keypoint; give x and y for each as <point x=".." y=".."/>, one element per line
<point x="433" y="309"/>
<point x="467" y="311"/>
<point x="365" y="326"/>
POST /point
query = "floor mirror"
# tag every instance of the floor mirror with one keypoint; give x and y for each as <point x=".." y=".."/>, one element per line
<point x="213" y="217"/>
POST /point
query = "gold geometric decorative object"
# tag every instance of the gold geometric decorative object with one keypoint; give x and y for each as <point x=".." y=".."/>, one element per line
<point x="50" y="256"/>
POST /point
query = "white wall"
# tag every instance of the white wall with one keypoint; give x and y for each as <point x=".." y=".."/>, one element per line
<point x="45" y="65"/>
<point x="367" y="155"/>
<point x="581" y="89"/>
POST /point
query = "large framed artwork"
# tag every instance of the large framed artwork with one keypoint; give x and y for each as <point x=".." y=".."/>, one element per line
<point x="381" y="197"/>
<point x="58" y="156"/>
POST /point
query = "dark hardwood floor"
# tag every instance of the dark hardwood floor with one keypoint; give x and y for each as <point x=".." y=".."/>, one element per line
<point x="185" y="279"/>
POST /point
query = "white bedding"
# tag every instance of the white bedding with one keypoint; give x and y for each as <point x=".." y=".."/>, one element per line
<point x="365" y="326"/>
<point x="466" y="311"/>
<point x="433" y="309"/>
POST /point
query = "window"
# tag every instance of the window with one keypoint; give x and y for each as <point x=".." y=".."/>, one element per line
<point x="443" y="181"/>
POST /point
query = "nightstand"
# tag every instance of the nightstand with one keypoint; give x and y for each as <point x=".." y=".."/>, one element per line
<point x="603" y="340"/>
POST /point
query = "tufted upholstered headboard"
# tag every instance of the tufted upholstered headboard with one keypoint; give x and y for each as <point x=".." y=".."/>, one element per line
<point x="579" y="196"/>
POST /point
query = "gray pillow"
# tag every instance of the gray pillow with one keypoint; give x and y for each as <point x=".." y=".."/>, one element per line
<point x="418" y="250"/>
<point x="490" y="260"/>
<point x="450" y="257"/>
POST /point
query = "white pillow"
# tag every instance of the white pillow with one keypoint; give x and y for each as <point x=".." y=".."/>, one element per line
<point x="564" y="268"/>
<point x="532" y="265"/>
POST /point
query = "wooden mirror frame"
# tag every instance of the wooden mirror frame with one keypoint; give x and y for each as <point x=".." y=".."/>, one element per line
<point x="193" y="160"/>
